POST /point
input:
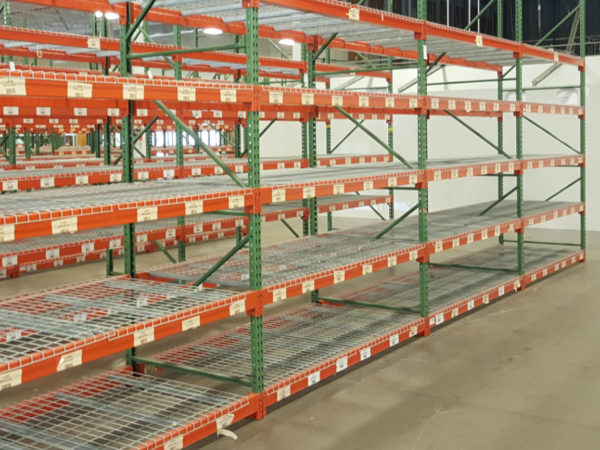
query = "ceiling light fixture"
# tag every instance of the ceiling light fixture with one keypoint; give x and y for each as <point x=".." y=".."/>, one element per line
<point x="111" y="15"/>
<point x="287" y="41"/>
<point x="99" y="14"/>
<point x="213" y="31"/>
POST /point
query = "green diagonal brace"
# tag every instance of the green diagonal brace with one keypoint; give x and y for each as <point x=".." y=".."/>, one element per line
<point x="397" y="221"/>
<point x="497" y="202"/>
<point x="207" y="150"/>
<point x="289" y="227"/>
<point x="467" y="267"/>
<point x="222" y="261"/>
<point x="563" y="189"/>
<point x="549" y="133"/>
<point x="139" y="19"/>
<point x="478" y="134"/>
<point x="436" y="62"/>
<point x="483" y="10"/>
<point x="371" y="305"/>
<point x="346" y="137"/>
<point x="164" y="250"/>
<point x="374" y="210"/>
<point x="375" y="138"/>
<point x="146" y="128"/>
<point x="269" y="125"/>
<point x="557" y="26"/>
<point x="324" y="47"/>
<point x="118" y="159"/>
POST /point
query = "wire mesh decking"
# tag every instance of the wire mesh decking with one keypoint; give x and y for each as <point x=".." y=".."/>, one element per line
<point x="116" y="410"/>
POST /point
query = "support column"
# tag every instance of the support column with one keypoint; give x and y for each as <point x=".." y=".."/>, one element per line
<point x="519" y="132"/>
<point x="12" y="146"/>
<point x="422" y="162"/>
<point x="38" y="143"/>
<point x="27" y="143"/>
<point x="500" y="32"/>
<point x="328" y="150"/>
<point x="582" y="123"/>
<point x="313" y="213"/>
<point x="390" y="8"/>
<point x="177" y="67"/>
<point x="254" y="226"/>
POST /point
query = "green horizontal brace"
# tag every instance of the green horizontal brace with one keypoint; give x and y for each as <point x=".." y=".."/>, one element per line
<point x="397" y="221"/>
<point x="358" y="69"/>
<point x="189" y="370"/>
<point x="164" y="250"/>
<point x="371" y="305"/>
<point x="545" y="243"/>
<point x="289" y="227"/>
<point x="269" y="125"/>
<point x="478" y="134"/>
<point x="235" y="213"/>
<point x="222" y="261"/>
<point x="488" y="80"/>
<point x="546" y="88"/>
<point x="139" y="19"/>
<point x="182" y="51"/>
<point x="497" y="202"/>
<point x="4" y="139"/>
<point x="467" y="267"/>
<point x="500" y="175"/>
<point x="404" y="188"/>
<point x="481" y="11"/>
<point x="549" y="133"/>
<point x="324" y="47"/>
<point x="207" y="150"/>
<point x="563" y="189"/>
<point x="375" y="138"/>
<point x="145" y="129"/>
<point x="346" y="137"/>
<point x="557" y="26"/>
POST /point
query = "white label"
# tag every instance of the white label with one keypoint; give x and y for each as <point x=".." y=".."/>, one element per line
<point x="224" y="421"/>
<point x="67" y="225"/>
<point x="12" y="86"/>
<point x="484" y="170"/>
<point x="52" y="253"/>
<point x="469" y="171"/>
<point x="454" y="312"/>
<point x="368" y="185"/>
<point x="278" y="195"/>
<point x="484" y="234"/>
<point x="413" y="331"/>
<point x="516" y="285"/>
<point x="338" y="189"/>
<point x="367" y="268"/>
<point x="439" y="318"/>
<point x="142" y="175"/>
<point x="390" y="102"/>
<point x="365" y="353"/>
<point x="80" y="112"/>
<point x="451" y="104"/>
<point x="141" y="337"/>
<point x="174" y="444"/>
<point x="237" y="307"/>
<point x="236" y="202"/>
<point x="133" y="92"/>
<point x="482" y="106"/>
<point x="169" y="173"/>
<point x="555" y="54"/>
<point x="412" y="255"/>
<point x="534" y="277"/>
<point x="468" y="106"/>
<point x="392" y="261"/>
<point x="147" y="213"/>
<point x="276" y="98"/>
<point x="308" y="286"/>
<point x="479" y="40"/>
<point x="228" y="95"/>
<point x="308" y="98"/>
<point x="284" y="392"/>
<point x="113" y="112"/>
<point x="186" y="94"/>
<point x="40" y="111"/>
<point x="81" y="179"/>
<point x="337" y="100"/>
<point x="363" y="102"/>
<point x="394" y="340"/>
<point x="454" y="173"/>
<point x="308" y="192"/>
<point x="79" y="90"/>
<point x="341" y="364"/>
<point x="339" y="276"/>
<point x="455" y="242"/>
<point x="413" y="102"/>
<point x="438" y="246"/>
<point x="88" y="247"/>
<point x="170" y="233"/>
<point x="435" y="103"/>
<point x="69" y="360"/>
<point x="470" y="305"/>
<point x="470" y="238"/>
<point x="501" y="290"/>
<point x="12" y="185"/>
<point x="194" y="207"/>
<point x="497" y="230"/>
<point x="354" y="14"/>
<point x="190" y="324"/>
<point x="10" y="379"/>
<point x="114" y="244"/>
<point x="93" y="42"/>
<point x="58" y="263"/>
<point x="11" y="110"/>
<point x="279" y="295"/>
<point x="314" y="378"/>
<point x="513" y="107"/>
<point x="485" y="299"/>
<point x="393" y="181"/>
<point x="437" y="175"/>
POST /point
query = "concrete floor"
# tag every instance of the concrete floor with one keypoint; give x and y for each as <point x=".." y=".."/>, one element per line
<point x="521" y="373"/>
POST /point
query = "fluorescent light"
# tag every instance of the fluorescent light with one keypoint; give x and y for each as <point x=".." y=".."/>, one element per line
<point x="111" y="15"/>
<point x="99" y="14"/>
<point x="213" y="31"/>
<point x="287" y="41"/>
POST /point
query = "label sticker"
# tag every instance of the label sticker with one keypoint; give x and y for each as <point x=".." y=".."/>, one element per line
<point x="470" y="305"/>
<point x="81" y="179"/>
<point x="66" y="225"/>
<point x="337" y="100"/>
<point x="307" y="286"/>
<point x="439" y="318"/>
<point x="455" y="242"/>
<point x="133" y="92"/>
<point x="354" y="14"/>
<point x="279" y="294"/>
<point x="392" y="182"/>
<point x="276" y="98"/>
<point x="40" y="111"/>
<point x="284" y="392"/>
<point x="308" y="98"/>
<point x="79" y="90"/>
<point x="454" y="312"/>
<point x="81" y="112"/>
<point x="339" y="276"/>
<point x="485" y="299"/>
<point x="439" y="246"/>
<point x="145" y="336"/>
<point x="12" y="185"/>
<point x="451" y="104"/>
<point x="228" y="95"/>
<point x="454" y="173"/>
<point x="194" y="207"/>
<point x="278" y="195"/>
<point x="186" y="94"/>
<point x="413" y="102"/>
<point x="413" y="331"/>
<point x="113" y="112"/>
<point x="341" y="364"/>
<point x="10" y="379"/>
<point x="394" y="340"/>
<point x="390" y="102"/>
<point x="69" y="360"/>
<point x="392" y="261"/>
<point x="367" y="269"/>
<point x="114" y="244"/>
<point x="479" y="40"/>
<point x="338" y="189"/>
<point x="412" y="255"/>
<point x="190" y="324"/>
<point x="308" y="192"/>
<point x="468" y="106"/>
<point x="237" y="307"/>
<point x="501" y="291"/>
<point x="314" y="378"/>
<point x="435" y="103"/>
<point x="11" y="110"/>
<point x="365" y="353"/>
<point x="170" y="233"/>
<point x="12" y="86"/>
<point x="88" y="247"/>
<point x="147" y="213"/>
<point x="470" y="238"/>
<point x="174" y="444"/>
<point x="368" y="185"/>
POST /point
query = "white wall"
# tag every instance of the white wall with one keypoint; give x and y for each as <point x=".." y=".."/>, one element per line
<point x="449" y="139"/>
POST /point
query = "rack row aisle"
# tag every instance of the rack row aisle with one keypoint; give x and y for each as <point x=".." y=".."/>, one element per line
<point x="167" y="400"/>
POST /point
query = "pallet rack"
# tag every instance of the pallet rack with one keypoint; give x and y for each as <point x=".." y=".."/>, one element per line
<point x="76" y="324"/>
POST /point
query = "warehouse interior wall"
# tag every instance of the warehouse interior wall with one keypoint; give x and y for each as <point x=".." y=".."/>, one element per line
<point x="449" y="139"/>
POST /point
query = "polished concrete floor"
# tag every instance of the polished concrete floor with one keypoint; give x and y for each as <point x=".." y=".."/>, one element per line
<point x="522" y="373"/>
